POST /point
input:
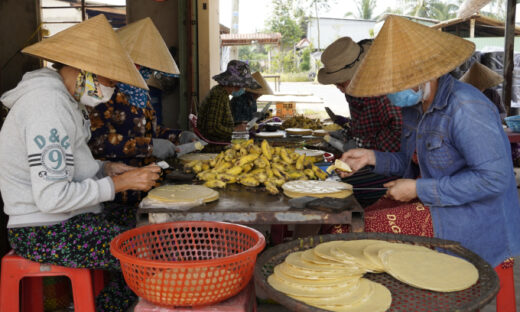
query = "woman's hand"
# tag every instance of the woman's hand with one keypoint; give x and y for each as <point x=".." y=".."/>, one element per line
<point x="140" y="179"/>
<point x="116" y="168"/>
<point x="357" y="158"/>
<point x="403" y="190"/>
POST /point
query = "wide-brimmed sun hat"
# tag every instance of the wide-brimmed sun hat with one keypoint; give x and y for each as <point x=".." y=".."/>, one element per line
<point x="237" y="74"/>
<point x="481" y="77"/>
<point x="92" y="46"/>
<point x="406" y="54"/>
<point x="341" y="59"/>
<point x="146" y="47"/>
<point x="264" y="86"/>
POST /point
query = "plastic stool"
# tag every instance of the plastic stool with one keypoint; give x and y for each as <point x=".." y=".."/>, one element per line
<point x="16" y="268"/>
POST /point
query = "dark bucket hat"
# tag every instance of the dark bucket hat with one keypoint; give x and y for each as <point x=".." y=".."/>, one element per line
<point x="237" y="74"/>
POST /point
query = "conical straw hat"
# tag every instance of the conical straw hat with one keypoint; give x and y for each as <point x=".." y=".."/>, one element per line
<point x="481" y="77"/>
<point x="406" y="54"/>
<point x="91" y="46"/>
<point x="146" y="46"/>
<point x="264" y="86"/>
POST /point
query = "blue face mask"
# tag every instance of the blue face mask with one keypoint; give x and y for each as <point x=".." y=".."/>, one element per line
<point x="238" y="93"/>
<point x="405" y="98"/>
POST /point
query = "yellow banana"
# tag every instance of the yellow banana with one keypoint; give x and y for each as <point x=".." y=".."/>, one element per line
<point x="300" y="161"/>
<point x="269" y="172"/>
<point x="319" y="173"/>
<point x="309" y="173"/>
<point x="266" y="151"/>
<point x="246" y="159"/>
<point x="271" y="188"/>
<point x="247" y="167"/>
<point x="236" y="146"/>
<point x="285" y="157"/>
<point x="260" y="163"/>
<point x="249" y="181"/>
<point x="223" y="167"/>
<point x="236" y="170"/>
<point x="261" y="177"/>
<point x="228" y="178"/>
<point x="215" y="184"/>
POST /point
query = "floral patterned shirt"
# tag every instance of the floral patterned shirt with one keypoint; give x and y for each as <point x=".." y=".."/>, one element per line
<point x="122" y="132"/>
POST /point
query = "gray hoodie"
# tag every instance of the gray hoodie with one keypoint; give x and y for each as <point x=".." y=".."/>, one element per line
<point x="47" y="173"/>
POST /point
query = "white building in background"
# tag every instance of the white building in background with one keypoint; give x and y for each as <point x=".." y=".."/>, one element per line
<point x="334" y="28"/>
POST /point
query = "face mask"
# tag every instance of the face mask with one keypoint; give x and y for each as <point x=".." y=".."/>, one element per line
<point x="94" y="101"/>
<point x="409" y="97"/>
<point x="239" y="92"/>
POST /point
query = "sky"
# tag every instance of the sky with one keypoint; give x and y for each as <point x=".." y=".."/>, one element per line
<point x="254" y="13"/>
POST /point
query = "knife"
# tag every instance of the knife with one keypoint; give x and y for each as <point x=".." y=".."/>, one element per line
<point x="330" y="113"/>
<point x="253" y="121"/>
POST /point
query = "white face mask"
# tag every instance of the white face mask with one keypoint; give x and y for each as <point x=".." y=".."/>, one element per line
<point x="92" y="101"/>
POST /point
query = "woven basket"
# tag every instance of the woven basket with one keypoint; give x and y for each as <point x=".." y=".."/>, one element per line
<point x="404" y="297"/>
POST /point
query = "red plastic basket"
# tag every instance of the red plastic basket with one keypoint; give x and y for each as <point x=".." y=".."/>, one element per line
<point x="187" y="263"/>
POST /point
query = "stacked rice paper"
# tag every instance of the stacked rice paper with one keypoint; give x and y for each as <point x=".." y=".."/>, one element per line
<point x="330" y="276"/>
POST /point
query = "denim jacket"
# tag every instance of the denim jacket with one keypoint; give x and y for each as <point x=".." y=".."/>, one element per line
<point x="466" y="171"/>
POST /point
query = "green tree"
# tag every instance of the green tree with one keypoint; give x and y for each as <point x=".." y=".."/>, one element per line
<point x="283" y="21"/>
<point x="443" y="11"/>
<point x="365" y="8"/>
<point x="305" y="64"/>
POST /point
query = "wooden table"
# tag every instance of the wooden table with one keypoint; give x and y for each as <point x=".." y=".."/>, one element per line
<point x="253" y="205"/>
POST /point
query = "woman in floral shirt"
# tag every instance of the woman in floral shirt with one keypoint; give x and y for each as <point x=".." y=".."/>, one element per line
<point x="125" y="128"/>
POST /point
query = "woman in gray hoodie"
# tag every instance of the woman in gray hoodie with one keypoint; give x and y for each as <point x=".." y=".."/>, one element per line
<point x="51" y="185"/>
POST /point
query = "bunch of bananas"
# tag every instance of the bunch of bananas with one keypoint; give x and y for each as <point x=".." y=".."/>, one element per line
<point x="300" y="121"/>
<point x="252" y="165"/>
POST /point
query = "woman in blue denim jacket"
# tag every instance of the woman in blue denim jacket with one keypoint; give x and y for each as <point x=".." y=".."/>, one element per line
<point x="455" y="158"/>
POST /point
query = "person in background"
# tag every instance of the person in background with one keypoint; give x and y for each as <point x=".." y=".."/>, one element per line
<point x="125" y="128"/>
<point x="374" y="122"/>
<point x="51" y="185"/>
<point x="455" y="159"/>
<point x="215" y="121"/>
<point x="243" y="107"/>
<point x="484" y="79"/>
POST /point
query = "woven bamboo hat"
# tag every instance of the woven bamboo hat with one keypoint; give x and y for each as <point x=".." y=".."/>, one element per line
<point x="481" y="77"/>
<point x="264" y="86"/>
<point x="341" y="59"/>
<point x="406" y="54"/>
<point x="91" y="46"/>
<point x="146" y="46"/>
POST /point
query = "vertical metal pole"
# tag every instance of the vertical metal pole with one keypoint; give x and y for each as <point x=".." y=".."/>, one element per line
<point x="83" y="10"/>
<point x="508" y="54"/>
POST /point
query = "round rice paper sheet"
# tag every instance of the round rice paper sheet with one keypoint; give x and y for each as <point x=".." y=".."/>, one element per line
<point x="183" y="193"/>
<point x="354" y="249"/>
<point x="300" y="188"/>
<point x="429" y="270"/>
<point x="294" y="289"/>
<point x="371" y="252"/>
<point x="338" y="279"/>
<point x="379" y="300"/>
<point x="357" y="293"/>
<point x="296" y="272"/>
